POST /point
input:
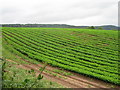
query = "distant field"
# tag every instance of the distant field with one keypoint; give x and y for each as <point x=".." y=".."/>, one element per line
<point x="89" y="52"/>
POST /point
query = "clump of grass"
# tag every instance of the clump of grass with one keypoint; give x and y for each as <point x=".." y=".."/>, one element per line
<point x="20" y="78"/>
<point x="54" y="74"/>
<point x="62" y="72"/>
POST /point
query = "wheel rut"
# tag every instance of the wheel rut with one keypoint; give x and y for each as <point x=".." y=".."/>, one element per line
<point x="67" y="81"/>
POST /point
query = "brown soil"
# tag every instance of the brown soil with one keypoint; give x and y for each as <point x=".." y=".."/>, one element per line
<point x="69" y="81"/>
<point x="81" y="34"/>
<point x="90" y="35"/>
<point x="102" y="44"/>
<point x="105" y="44"/>
<point x="72" y="33"/>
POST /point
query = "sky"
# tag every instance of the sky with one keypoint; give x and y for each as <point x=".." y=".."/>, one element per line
<point x="72" y="12"/>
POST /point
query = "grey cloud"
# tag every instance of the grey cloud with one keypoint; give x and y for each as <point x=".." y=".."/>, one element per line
<point x="8" y="10"/>
<point x="101" y="4"/>
<point x="76" y="12"/>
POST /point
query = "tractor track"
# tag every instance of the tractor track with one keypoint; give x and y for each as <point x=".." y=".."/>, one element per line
<point x="69" y="81"/>
<point x="75" y="78"/>
<point x="53" y="78"/>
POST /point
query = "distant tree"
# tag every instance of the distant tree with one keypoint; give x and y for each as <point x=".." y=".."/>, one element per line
<point x="92" y="27"/>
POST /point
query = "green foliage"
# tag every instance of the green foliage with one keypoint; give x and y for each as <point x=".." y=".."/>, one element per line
<point x="100" y="28"/>
<point x="31" y="71"/>
<point x="20" y="78"/>
<point x="40" y="77"/>
<point x="92" y="27"/>
<point x="26" y="80"/>
<point x="89" y="52"/>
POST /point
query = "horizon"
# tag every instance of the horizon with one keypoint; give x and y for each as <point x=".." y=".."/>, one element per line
<point x="60" y="24"/>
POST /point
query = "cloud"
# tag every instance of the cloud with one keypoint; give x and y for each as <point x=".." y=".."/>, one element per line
<point x="74" y="12"/>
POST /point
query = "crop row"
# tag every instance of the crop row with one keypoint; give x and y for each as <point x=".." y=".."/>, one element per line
<point x="35" y="49"/>
<point x="58" y="62"/>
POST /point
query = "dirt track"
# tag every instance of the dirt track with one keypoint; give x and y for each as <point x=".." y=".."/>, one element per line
<point x="69" y="81"/>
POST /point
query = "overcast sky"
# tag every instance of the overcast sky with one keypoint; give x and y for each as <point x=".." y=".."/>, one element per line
<point x="72" y="12"/>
